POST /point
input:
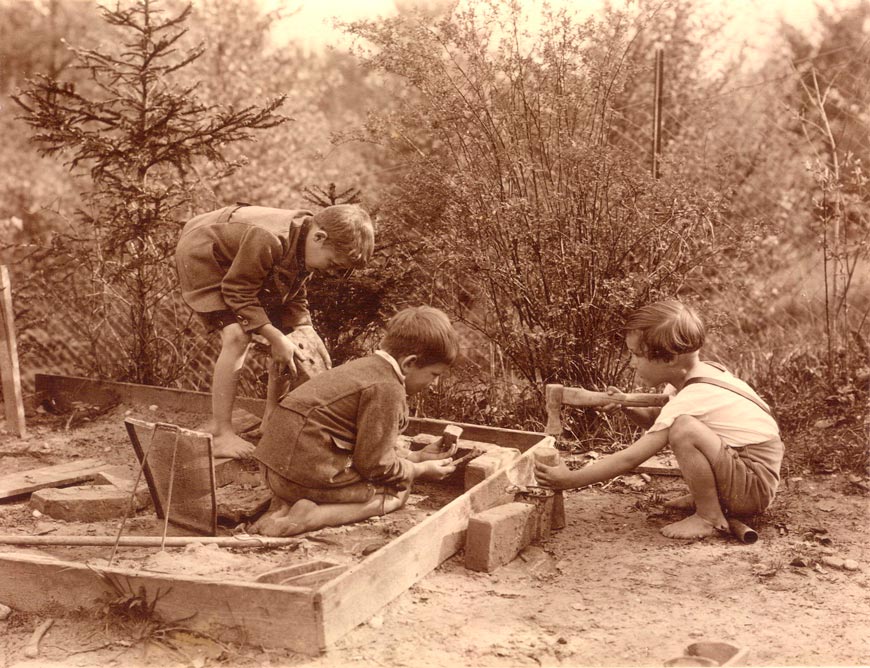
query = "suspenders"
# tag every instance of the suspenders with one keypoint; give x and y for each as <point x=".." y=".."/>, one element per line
<point x="726" y="386"/>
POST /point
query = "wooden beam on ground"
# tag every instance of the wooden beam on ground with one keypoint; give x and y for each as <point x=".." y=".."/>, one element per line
<point x="507" y="438"/>
<point x="10" y="374"/>
<point x="100" y="392"/>
<point x="365" y="588"/>
<point x="235" y="611"/>
<point x="60" y="475"/>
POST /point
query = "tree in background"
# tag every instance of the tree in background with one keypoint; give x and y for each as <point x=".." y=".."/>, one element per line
<point x="830" y="100"/>
<point x="539" y="219"/>
<point x="143" y="144"/>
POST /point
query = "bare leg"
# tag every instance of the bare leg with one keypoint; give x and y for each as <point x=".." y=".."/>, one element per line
<point x="682" y="502"/>
<point x="234" y="346"/>
<point x="282" y="519"/>
<point x="696" y="447"/>
<point x="276" y="389"/>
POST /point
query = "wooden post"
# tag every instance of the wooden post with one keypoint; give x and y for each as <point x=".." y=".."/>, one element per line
<point x="657" y="113"/>
<point x="9" y="372"/>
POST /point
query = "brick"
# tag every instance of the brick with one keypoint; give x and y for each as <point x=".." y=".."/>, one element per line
<point x="82" y="504"/>
<point x="482" y="467"/>
<point x="237" y="471"/>
<point x="497" y="535"/>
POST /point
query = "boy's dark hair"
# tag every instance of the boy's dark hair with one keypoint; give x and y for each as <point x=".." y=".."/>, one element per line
<point x="423" y="331"/>
<point x="351" y="232"/>
<point x="667" y="328"/>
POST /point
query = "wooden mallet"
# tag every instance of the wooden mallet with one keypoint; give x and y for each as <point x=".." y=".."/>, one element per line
<point x="559" y="395"/>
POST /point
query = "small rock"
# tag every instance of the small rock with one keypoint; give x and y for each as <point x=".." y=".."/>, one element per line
<point x="152" y="407"/>
<point x="36" y="513"/>
<point x="5" y="611"/>
<point x="833" y="562"/>
<point x="376" y="622"/>
<point x="851" y="565"/>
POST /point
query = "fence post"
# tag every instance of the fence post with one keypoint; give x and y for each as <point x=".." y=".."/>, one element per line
<point x="9" y="371"/>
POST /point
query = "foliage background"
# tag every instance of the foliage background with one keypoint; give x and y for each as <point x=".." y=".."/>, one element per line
<point x="507" y="163"/>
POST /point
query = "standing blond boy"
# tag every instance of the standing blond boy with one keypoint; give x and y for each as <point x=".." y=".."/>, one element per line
<point x="244" y="270"/>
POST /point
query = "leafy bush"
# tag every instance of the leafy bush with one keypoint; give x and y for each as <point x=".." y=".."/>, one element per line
<point x="542" y="228"/>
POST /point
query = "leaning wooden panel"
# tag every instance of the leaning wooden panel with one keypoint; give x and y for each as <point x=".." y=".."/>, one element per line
<point x="252" y="613"/>
<point x="362" y="590"/>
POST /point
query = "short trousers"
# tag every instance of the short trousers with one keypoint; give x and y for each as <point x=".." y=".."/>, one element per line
<point x="357" y="492"/>
<point x="745" y="486"/>
<point x="216" y="320"/>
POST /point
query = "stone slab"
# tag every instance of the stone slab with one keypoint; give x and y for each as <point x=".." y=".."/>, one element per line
<point x="81" y="504"/>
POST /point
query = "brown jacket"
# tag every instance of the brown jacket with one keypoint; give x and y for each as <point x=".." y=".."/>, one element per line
<point x="247" y="259"/>
<point x="340" y="427"/>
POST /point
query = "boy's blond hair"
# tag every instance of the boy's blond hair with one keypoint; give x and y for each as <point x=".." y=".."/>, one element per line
<point x="667" y="329"/>
<point x="423" y="331"/>
<point x="351" y="232"/>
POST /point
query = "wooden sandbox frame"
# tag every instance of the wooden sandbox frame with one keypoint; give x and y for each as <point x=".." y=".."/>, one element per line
<point x="304" y="619"/>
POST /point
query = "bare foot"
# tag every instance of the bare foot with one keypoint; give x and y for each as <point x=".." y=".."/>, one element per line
<point x="282" y="519"/>
<point x="684" y="502"/>
<point x="694" y="526"/>
<point x="232" y="446"/>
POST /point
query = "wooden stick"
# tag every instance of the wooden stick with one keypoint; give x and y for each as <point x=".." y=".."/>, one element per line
<point x="31" y="651"/>
<point x="152" y="541"/>
<point x="10" y="374"/>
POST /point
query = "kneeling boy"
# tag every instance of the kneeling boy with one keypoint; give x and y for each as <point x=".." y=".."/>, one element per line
<point x="723" y="435"/>
<point x="330" y="449"/>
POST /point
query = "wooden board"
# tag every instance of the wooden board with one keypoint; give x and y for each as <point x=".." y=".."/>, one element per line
<point x="179" y="468"/>
<point x="60" y="475"/>
<point x="660" y="465"/>
<point x="361" y="591"/>
<point x="100" y="392"/>
<point x="343" y="602"/>
<point x="10" y="374"/>
<point x="234" y="611"/>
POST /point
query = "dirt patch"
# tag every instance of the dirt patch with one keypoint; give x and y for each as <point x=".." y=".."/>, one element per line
<point x="608" y="590"/>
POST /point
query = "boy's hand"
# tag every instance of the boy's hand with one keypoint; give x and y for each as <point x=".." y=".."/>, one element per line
<point x="435" y="450"/>
<point x="609" y="408"/>
<point x="435" y="469"/>
<point x="557" y="477"/>
<point x="284" y="354"/>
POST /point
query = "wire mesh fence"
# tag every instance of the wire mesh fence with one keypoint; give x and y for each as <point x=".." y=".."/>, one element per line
<point x="57" y="335"/>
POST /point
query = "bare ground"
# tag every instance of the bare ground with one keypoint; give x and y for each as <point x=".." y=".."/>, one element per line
<point x="608" y="590"/>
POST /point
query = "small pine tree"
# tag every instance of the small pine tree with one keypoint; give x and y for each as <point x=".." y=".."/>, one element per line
<point x="145" y="144"/>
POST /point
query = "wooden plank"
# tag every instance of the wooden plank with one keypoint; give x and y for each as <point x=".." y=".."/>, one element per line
<point x="104" y="391"/>
<point x="100" y="392"/>
<point x="661" y="464"/>
<point x="10" y="374"/>
<point x="277" y="575"/>
<point x="315" y="578"/>
<point x="361" y="591"/>
<point x="508" y="438"/>
<point x="235" y="611"/>
<point x="60" y="475"/>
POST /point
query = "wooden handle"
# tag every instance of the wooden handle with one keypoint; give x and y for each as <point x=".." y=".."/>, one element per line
<point x="577" y="396"/>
